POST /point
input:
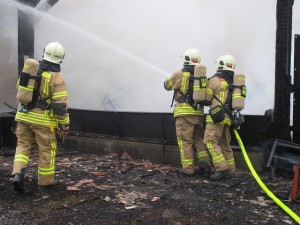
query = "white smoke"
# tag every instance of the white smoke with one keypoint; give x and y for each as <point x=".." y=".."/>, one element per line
<point x="8" y="57"/>
<point x="118" y="52"/>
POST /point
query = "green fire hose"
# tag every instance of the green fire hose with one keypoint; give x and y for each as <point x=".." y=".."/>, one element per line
<point x="261" y="184"/>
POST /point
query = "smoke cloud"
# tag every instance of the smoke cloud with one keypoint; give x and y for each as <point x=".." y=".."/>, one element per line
<point x="118" y="53"/>
<point x="8" y="57"/>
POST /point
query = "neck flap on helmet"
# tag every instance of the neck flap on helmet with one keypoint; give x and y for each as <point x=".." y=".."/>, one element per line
<point x="49" y="66"/>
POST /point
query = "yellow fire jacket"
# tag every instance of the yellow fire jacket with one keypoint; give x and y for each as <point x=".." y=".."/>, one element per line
<point x="217" y="87"/>
<point x="179" y="82"/>
<point x="53" y="91"/>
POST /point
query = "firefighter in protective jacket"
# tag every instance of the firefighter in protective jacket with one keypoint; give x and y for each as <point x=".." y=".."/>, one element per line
<point x="217" y="136"/>
<point x="42" y="119"/>
<point x="188" y="118"/>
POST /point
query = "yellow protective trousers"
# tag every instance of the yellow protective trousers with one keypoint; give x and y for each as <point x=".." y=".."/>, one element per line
<point x="189" y="131"/>
<point x="27" y="134"/>
<point x="217" y="140"/>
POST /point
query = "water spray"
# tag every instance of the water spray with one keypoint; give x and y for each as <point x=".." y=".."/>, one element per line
<point x="97" y="39"/>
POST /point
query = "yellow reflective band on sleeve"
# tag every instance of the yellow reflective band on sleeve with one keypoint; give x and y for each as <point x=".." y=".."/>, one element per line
<point x="21" y="158"/>
<point x="65" y="121"/>
<point x="170" y="83"/>
<point x="59" y="94"/>
<point x="209" y="91"/>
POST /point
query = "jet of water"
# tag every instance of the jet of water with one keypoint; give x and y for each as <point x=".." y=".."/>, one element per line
<point x="36" y="13"/>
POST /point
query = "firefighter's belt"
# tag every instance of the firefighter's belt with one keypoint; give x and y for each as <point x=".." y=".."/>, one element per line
<point x="43" y="105"/>
<point x="182" y="99"/>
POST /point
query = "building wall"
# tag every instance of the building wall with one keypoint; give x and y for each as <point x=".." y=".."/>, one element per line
<point x="8" y="56"/>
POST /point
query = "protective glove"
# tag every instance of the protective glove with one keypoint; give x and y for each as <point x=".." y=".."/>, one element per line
<point x="62" y="132"/>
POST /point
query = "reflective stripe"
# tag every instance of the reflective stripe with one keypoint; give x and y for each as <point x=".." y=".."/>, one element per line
<point x="184" y="82"/>
<point x="59" y="94"/>
<point x="65" y="121"/>
<point x="209" y="147"/>
<point x="184" y="161"/>
<point x="226" y="121"/>
<point x="185" y="109"/>
<point x="53" y="154"/>
<point x="218" y="159"/>
<point x="237" y="96"/>
<point x="46" y="87"/>
<point x="222" y="92"/>
<point x="21" y="158"/>
<point x="170" y="83"/>
<point x="202" y="154"/>
<point x="209" y="91"/>
<point x="51" y="169"/>
<point x="46" y="171"/>
<point x="230" y="161"/>
<point x="215" y="158"/>
<point x="179" y="141"/>
<point x="187" y="162"/>
<point x="28" y="88"/>
<point x="36" y="118"/>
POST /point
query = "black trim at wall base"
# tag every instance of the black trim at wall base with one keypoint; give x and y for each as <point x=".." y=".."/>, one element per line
<point x="152" y="127"/>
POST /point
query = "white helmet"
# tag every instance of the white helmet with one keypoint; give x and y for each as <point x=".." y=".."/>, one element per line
<point x="54" y="52"/>
<point x="226" y="62"/>
<point x="191" y="57"/>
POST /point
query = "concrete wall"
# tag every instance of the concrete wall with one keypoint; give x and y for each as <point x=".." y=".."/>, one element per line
<point x="154" y="152"/>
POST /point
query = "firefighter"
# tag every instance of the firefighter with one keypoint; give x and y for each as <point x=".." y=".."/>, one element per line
<point x="217" y="136"/>
<point x="41" y="122"/>
<point x="188" y="118"/>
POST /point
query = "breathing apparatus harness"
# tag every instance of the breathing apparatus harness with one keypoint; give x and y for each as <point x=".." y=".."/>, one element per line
<point x="188" y="96"/>
<point x="218" y="113"/>
<point x="37" y="101"/>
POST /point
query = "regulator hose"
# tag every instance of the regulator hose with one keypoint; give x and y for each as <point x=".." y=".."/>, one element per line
<point x="260" y="182"/>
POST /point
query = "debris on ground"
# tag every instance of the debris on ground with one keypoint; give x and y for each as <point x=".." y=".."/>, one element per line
<point x="112" y="190"/>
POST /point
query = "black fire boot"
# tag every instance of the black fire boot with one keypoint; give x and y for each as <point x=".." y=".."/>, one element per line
<point x="181" y="172"/>
<point x="218" y="175"/>
<point x="206" y="171"/>
<point x="18" y="181"/>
